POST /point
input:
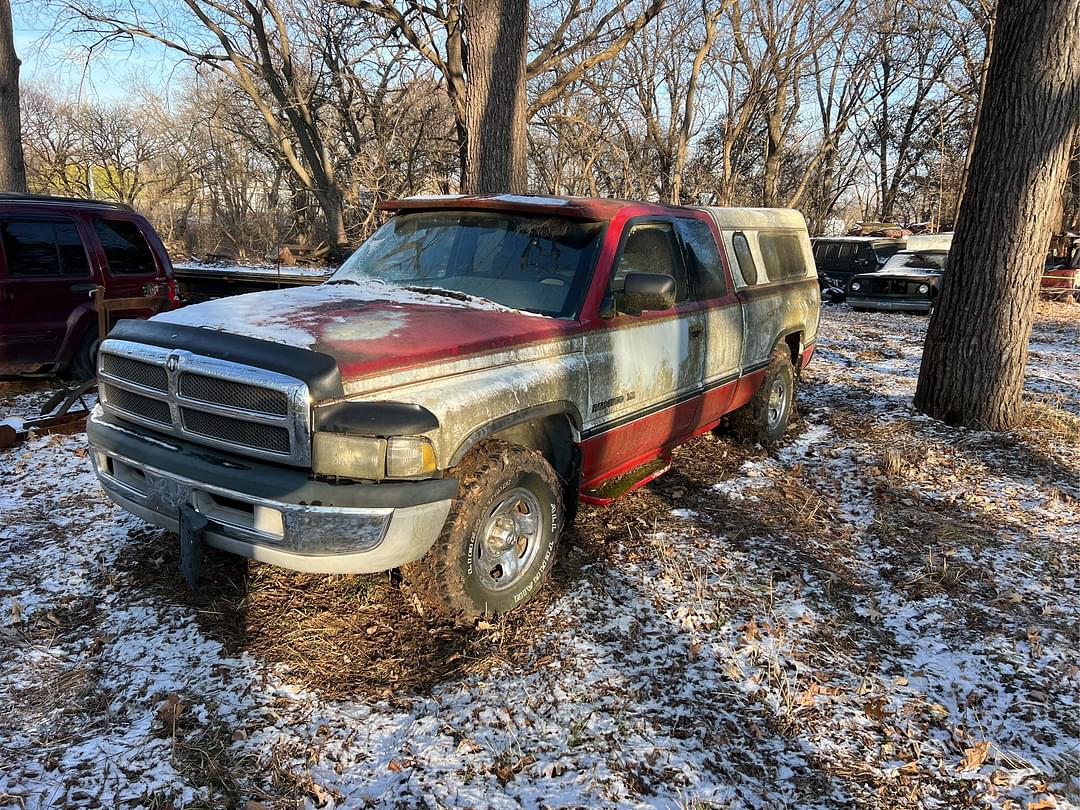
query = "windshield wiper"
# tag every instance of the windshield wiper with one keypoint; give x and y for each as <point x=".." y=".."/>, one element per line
<point x="455" y="294"/>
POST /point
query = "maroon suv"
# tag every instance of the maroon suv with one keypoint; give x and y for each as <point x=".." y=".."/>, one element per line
<point x="53" y="253"/>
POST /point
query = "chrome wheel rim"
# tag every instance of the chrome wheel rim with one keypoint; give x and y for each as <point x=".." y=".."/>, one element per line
<point x="777" y="403"/>
<point x="508" y="541"/>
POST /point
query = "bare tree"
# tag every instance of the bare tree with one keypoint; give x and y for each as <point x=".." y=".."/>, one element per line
<point x="569" y="39"/>
<point x="251" y="43"/>
<point x="976" y="347"/>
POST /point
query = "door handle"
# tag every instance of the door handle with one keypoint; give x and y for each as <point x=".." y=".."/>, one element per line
<point x="696" y="332"/>
<point x="88" y="287"/>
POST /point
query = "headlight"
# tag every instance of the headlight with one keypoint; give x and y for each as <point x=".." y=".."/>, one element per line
<point x="409" y="457"/>
<point x="342" y="454"/>
<point x="924" y="289"/>
<point x="348" y="456"/>
<point x="856" y="286"/>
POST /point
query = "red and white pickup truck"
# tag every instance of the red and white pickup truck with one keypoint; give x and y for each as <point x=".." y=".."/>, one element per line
<point x="443" y="401"/>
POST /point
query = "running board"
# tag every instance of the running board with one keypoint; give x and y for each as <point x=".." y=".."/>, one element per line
<point x="611" y="488"/>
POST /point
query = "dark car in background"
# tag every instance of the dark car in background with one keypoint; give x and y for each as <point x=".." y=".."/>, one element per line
<point x="840" y="258"/>
<point x="54" y="252"/>
<point x="908" y="282"/>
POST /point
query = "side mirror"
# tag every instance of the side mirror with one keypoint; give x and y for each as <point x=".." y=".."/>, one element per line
<point x="645" y="291"/>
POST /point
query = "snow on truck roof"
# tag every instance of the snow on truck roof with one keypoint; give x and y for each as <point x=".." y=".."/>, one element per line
<point x="598" y="208"/>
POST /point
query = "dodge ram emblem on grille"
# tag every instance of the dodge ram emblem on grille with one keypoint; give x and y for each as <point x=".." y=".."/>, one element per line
<point x="172" y="361"/>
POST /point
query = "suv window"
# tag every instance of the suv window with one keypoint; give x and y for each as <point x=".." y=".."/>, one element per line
<point x="650" y="247"/>
<point x="745" y="258"/>
<point x="702" y="258"/>
<point x="126" y="249"/>
<point x="39" y="247"/>
<point x="782" y="254"/>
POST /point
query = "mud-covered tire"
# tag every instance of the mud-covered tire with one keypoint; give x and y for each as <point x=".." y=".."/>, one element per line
<point x="83" y="363"/>
<point x="461" y="577"/>
<point x="765" y="418"/>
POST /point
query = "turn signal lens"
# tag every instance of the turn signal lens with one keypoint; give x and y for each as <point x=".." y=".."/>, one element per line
<point x="409" y="457"/>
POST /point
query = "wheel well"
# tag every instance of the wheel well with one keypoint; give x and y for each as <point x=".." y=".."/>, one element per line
<point x="551" y="436"/>
<point x="794" y="343"/>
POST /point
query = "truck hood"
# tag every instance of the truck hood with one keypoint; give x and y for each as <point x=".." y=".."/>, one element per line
<point x="371" y="329"/>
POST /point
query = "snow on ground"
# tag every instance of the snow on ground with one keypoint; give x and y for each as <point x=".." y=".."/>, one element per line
<point x="882" y="613"/>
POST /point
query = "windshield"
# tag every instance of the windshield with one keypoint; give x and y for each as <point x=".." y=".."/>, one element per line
<point x="924" y="261"/>
<point x="886" y="251"/>
<point x="539" y="264"/>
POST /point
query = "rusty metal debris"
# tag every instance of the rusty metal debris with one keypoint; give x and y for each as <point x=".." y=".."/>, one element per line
<point x="57" y="415"/>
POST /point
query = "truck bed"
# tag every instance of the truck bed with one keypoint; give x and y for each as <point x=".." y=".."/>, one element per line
<point x="205" y="282"/>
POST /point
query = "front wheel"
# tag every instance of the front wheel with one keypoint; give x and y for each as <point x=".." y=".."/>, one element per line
<point x="499" y="541"/>
<point x="765" y="418"/>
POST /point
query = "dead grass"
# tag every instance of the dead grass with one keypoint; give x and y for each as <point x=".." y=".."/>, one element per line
<point x="341" y="635"/>
<point x="1047" y="424"/>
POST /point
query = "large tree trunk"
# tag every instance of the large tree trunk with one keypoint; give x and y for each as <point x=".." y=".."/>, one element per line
<point x="12" y="168"/>
<point x="496" y="148"/>
<point x="976" y="347"/>
<point x="332" y="203"/>
<point x="1072" y="216"/>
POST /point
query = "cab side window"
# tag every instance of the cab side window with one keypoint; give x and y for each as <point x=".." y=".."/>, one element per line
<point x="126" y="249"/>
<point x="703" y="262"/>
<point x="745" y="258"/>
<point x="650" y="247"/>
<point x="38" y="247"/>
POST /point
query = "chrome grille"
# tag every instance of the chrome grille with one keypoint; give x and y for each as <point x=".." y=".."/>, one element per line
<point x="233" y="394"/>
<point x="214" y="402"/>
<point x="235" y="431"/>
<point x="144" y="374"/>
<point x="146" y="407"/>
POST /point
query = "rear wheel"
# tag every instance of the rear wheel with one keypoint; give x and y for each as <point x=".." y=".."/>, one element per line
<point x="765" y="418"/>
<point x="499" y="541"/>
<point x="83" y="363"/>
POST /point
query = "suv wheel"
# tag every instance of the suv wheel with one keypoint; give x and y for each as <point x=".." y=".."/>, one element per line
<point x="499" y="541"/>
<point x="765" y="418"/>
<point x="83" y="363"/>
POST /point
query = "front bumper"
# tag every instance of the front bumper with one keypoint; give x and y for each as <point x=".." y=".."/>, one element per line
<point x="899" y="304"/>
<point x="264" y="512"/>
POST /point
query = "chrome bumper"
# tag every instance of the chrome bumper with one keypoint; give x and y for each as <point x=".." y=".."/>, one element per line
<point x="301" y="537"/>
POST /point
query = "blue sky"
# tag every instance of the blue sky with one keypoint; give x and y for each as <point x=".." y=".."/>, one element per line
<point x="56" y="60"/>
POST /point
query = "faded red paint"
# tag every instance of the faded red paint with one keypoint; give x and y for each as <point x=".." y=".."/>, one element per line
<point x="621" y="449"/>
<point x="420" y="334"/>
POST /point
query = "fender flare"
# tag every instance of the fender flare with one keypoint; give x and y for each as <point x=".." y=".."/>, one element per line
<point x="542" y="411"/>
